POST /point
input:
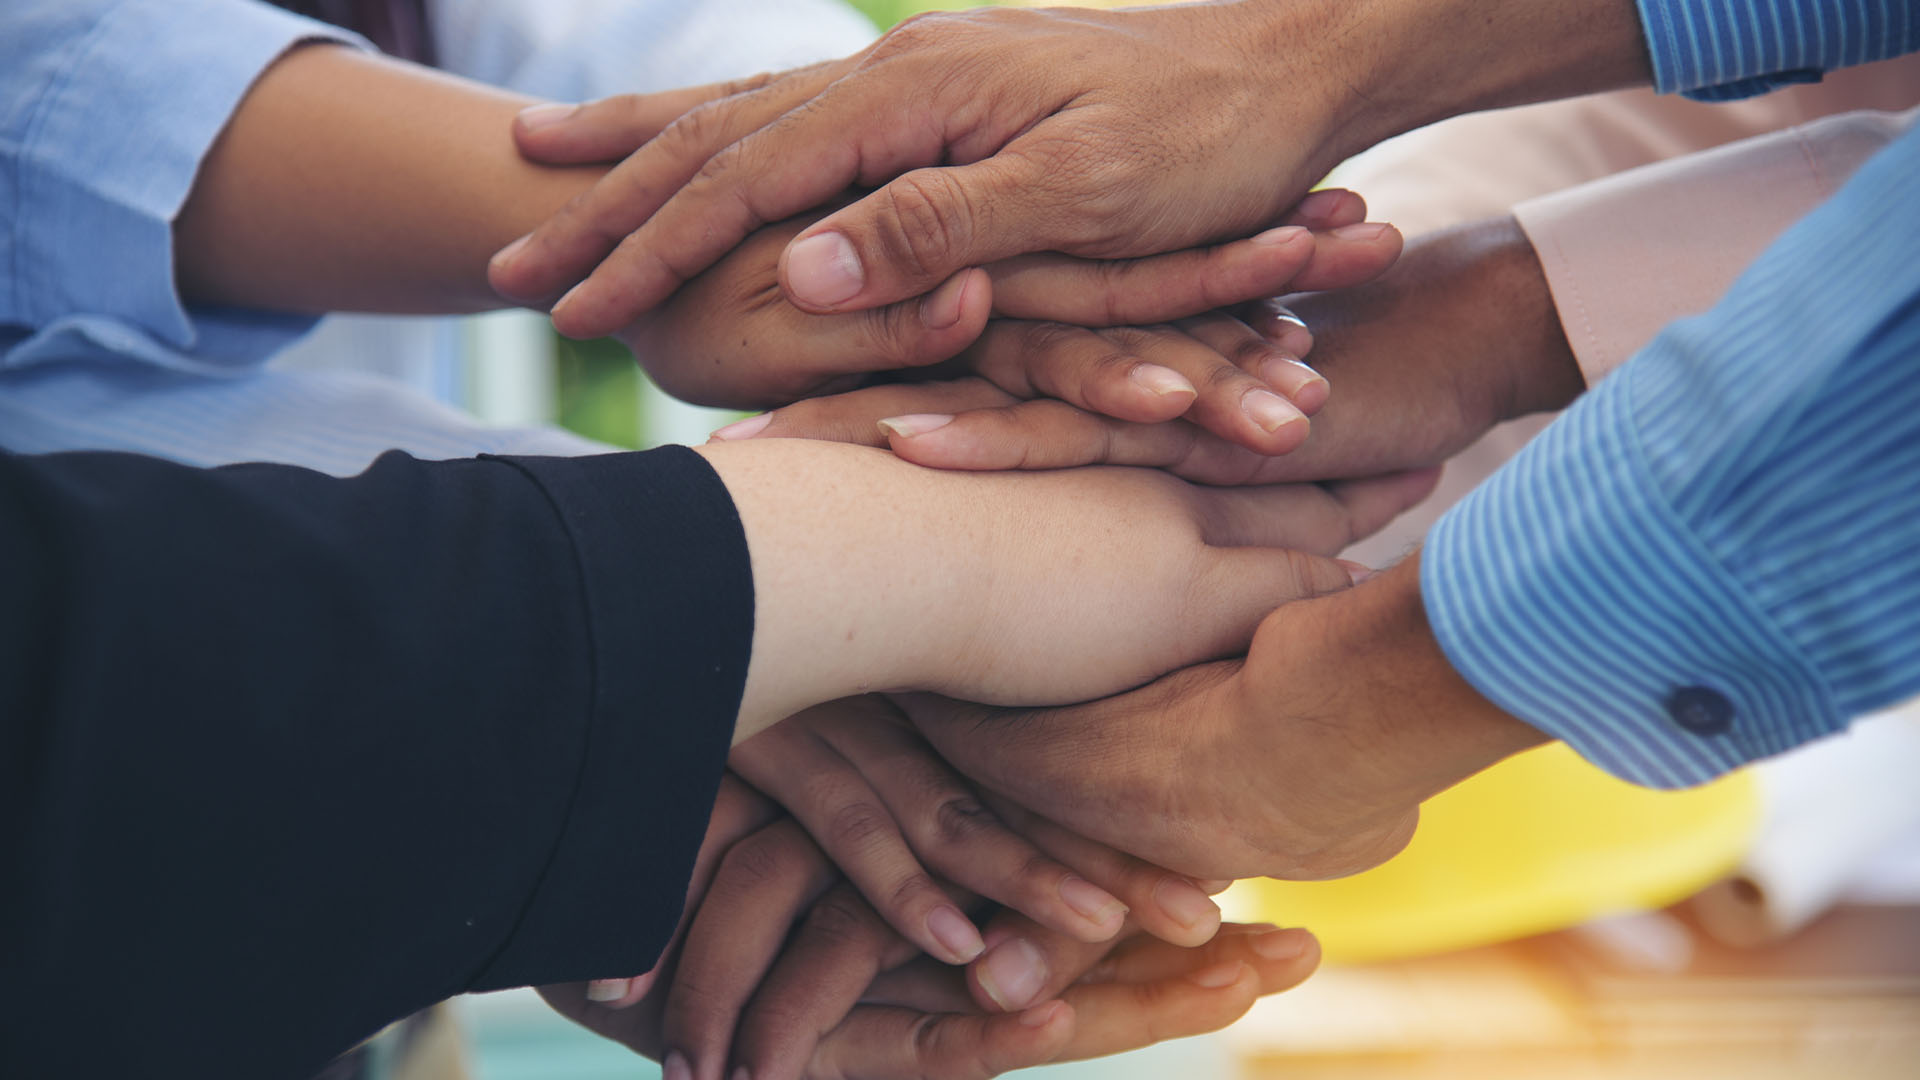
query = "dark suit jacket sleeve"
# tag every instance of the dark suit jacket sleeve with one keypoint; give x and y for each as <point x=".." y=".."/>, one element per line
<point x="284" y="757"/>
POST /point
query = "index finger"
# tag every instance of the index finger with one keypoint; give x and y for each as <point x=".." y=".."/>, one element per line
<point x="569" y="245"/>
<point x="716" y="175"/>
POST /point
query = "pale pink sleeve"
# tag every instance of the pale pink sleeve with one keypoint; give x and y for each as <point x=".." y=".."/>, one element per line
<point x="1626" y="255"/>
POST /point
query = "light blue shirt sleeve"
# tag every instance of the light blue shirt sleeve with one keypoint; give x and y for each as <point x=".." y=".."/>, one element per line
<point x="573" y="50"/>
<point x="1714" y="556"/>
<point x="1720" y="50"/>
<point x="107" y="108"/>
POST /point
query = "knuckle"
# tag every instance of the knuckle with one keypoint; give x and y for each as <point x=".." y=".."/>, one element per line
<point x="589" y="213"/>
<point x="1037" y="871"/>
<point x="701" y="128"/>
<point x="910" y="892"/>
<point x="961" y="818"/>
<point x="841" y="919"/>
<point x="859" y="825"/>
<point x="757" y="862"/>
<point x="927" y="221"/>
<point x="1249" y="352"/>
<point x="893" y="334"/>
<point x="747" y="85"/>
<point x="926" y="30"/>
<point x="1224" y="377"/>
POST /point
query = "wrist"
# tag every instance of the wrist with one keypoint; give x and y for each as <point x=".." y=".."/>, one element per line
<point x="1429" y="727"/>
<point x="866" y="571"/>
<point x="1410" y="63"/>
<point x="1533" y="368"/>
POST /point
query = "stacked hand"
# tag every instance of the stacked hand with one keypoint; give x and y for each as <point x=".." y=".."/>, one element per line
<point x="818" y="943"/>
<point x="780" y="968"/>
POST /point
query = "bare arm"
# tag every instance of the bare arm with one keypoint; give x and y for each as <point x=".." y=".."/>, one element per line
<point x="348" y="181"/>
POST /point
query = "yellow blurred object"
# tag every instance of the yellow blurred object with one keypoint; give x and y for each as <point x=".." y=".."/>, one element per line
<point x="1539" y="842"/>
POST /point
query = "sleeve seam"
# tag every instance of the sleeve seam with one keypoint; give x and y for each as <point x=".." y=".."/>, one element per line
<point x="589" y="720"/>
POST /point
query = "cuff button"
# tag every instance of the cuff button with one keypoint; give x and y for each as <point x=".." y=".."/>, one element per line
<point x="1700" y="710"/>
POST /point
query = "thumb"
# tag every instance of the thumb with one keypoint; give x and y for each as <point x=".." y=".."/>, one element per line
<point x="916" y="232"/>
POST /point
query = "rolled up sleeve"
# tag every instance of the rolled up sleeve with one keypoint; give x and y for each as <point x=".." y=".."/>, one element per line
<point x="110" y="108"/>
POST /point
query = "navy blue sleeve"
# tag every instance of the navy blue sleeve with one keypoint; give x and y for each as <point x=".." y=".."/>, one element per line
<point x="284" y="757"/>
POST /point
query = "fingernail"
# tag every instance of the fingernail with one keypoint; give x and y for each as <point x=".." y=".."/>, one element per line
<point x="1320" y="204"/>
<point x="1184" y="903"/>
<point x="744" y="429"/>
<point x="824" y="270"/>
<point x="1041" y="1013"/>
<point x="565" y="299"/>
<point x="942" y="307"/>
<point x="1366" y="230"/>
<point x="608" y="989"/>
<point x="1091" y="900"/>
<point x="507" y="254"/>
<point x="1163" y="381"/>
<point x="1281" y="944"/>
<point x="1285" y="234"/>
<point x="915" y="424"/>
<point x="1219" y="976"/>
<point x="1310" y="389"/>
<point x="1012" y="973"/>
<point x="675" y="1067"/>
<point x="955" y="934"/>
<point x="1357" y="572"/>
<point x="1269" y="410"/>
<point x="535" y="117"/>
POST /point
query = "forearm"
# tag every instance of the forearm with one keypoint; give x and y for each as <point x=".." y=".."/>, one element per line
<point x="1412" y="62"/>
<point x="1423" y="725"/>
<point x="495" y="693"/>
<point x="1010" y="588"/>
<point x="865" y="569"/>
<point x="347" y="181"/>
<point x="1710" y="558"/>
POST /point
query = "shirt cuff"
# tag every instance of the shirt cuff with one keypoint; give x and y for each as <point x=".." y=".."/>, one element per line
<point x="1628" y="254"/>
<point x="1569" y="593"/>
<point x="130" y="109"/>
<point x="1713" y="51"/>
<point x="667" y="578"/>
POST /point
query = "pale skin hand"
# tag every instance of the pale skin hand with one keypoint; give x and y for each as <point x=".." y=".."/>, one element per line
<point x="873" y="574"/>
<point x="1308" y="759"/>
<point x="997" y="132"/>
<point x="1461" y="334"/>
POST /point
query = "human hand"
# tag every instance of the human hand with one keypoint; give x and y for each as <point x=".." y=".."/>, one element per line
<point x="730" y="338"/>
<point x="1102" y="134"/>
<point x="1461" y="334"/>
<point x="871" y="573"/>
<point x="870" y="792"/>
<point x="1308" y="759"/>
<point x="782" y="971"/>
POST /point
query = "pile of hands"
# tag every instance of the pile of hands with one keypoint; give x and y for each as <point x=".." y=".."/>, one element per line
<point x="910" y="885"/>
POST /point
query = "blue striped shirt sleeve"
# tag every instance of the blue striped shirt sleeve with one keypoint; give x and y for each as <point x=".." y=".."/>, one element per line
<point x="1720" y="50"/>
<point x="1735" y="511"/>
